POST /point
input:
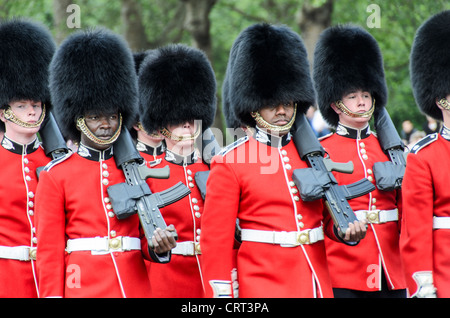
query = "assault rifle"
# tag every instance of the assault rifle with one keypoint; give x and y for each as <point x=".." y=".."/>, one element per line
<point x="318" y="182"/>
<point x="389" y="175"/>
<point x="134" y="195"/>
<point x="209" y="147"/>
<point x="52" y="140"/>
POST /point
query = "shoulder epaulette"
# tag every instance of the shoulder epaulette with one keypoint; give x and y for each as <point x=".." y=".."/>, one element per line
<point x="57" y="161"/>
<point x="425" y="141"/>
<point x="325" y="136"/>
<point x="233" y="145"/>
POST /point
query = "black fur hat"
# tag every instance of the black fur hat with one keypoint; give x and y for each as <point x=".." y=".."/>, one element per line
<point x="92" y="70"/>
<point x="26" y="49"/>
<point x="176" y="83"/>
<point x="267" y="65"/>
<point x="347" y="57"/>
<point x="430" y="63"/>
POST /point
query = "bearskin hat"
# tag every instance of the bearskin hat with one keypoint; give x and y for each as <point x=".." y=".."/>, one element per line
<point x="26" y="49"/>
<point x="347" y="57"/>
<point x="176" y="83"/>
<point x="430" y="63"/>
<point x="92" y="70"/>
<point x="267" y="65"/>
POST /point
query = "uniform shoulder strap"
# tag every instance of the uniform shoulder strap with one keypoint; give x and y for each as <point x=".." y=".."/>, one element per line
<point x="57" y="161"/>
<point x="233" y="145"/>
<point x="422" y="143"/>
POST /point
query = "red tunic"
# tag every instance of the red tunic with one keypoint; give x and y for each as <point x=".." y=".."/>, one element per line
<point x="72" y="202"/>
<point x="17" y="197"/>
<point x="425" y="196"/>
<point x="252" y="181"/>
<point x="182" y="276"/>
<point x="359" y="267"/>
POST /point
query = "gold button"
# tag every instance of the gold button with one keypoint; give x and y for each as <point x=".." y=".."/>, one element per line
<point x="286" y="159"/>
<point x="105" y="181"/>
<point x="111" y="214"/>
<point x="196" y="208"/>
<point x="113" y="233"/>
<point x="284" y="152"/>
<point x="191" y="185"/>
<point x="105" y="173"/>
<point x="291" y="183"/>
<point x="288" y="166"/>
<point x="194" y="200"/>
<point x="365" y="157"/>
<point x="115" y="243"/>
<point x="362" y="145"/>
<point x="369" y="171"/>
<point x="189" y="172"/>
<point x="296" y="198"/>
<point x="370" y="178"/>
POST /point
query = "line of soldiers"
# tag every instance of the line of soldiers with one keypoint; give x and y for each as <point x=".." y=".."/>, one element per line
<point x="255" y="230"/>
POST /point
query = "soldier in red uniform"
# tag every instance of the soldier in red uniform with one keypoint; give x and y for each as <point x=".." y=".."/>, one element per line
<point x="25" y="53"/>
<point x="282" y="253"/>
<point x="426" y="199"/>
<point x="177" y="93"/>
<point x="349" y="78"/>
<point x="150" y="145"/>
<point x="85" y="251"/>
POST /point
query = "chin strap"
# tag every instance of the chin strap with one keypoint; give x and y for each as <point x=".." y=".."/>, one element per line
<point x="444" y="103"/>
<point x="9" y="115"/>
<point x="340" y="105"/>
<point x="168" y="134"/>
<point x="81" y="124"/>
<point x="264" y="124"/>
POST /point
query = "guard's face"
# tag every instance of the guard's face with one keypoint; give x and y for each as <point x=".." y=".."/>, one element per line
<point x="27" y="111"/>
<point x="187" y="130"/>
<point x="103" y="126"/>
<point x="357" y="101"/>
<point x="278" y="115"/>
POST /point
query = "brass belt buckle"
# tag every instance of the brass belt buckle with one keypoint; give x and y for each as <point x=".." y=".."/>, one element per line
<point x="303" y="237"/>
<point x="32" y="253"/>
<point x="373" y="216"/>
<point x="115" y="243"/>
<point x="197" y="249"/>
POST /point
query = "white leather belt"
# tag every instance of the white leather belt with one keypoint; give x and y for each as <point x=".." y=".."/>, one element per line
<point x="20" y="253"/>
<point x="285" y="239"/>
<point x="441" y="222"/>
<point x="103" y="245"/>
<point x="377" y="216"/>
<point x="187" y="248"/>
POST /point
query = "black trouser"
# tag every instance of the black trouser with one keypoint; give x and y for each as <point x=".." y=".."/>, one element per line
<point x="383" y="293"/>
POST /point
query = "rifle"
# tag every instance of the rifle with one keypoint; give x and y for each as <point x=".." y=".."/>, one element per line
<point x="389" y="175"/>
<point x="52" y="140"/>
<point x="134" y="195"/>
<point x="209" y="148"/>
<point x="318" y="182"/>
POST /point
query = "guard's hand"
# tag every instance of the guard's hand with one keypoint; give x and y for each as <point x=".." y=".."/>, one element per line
<point x="356" y="231"/>
<point x="163" y="240"/>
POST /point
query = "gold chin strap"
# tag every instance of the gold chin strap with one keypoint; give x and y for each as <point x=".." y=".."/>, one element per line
<point x="153" y="134"/>
<point x="166" y="133"/>
<point x="444" y="103"/>
<point x="9" y="115"/>
<point x="81" y="124"/>
<point x="348" y="112"/>
<point x="264" y="124"/>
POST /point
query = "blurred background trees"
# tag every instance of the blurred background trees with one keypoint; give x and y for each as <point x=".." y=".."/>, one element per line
<point x="213" y="25"/>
